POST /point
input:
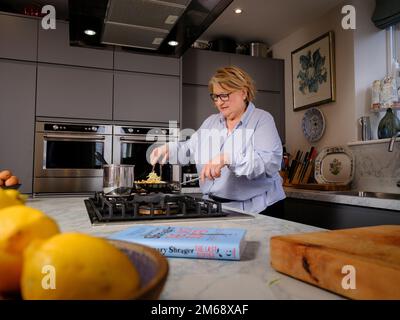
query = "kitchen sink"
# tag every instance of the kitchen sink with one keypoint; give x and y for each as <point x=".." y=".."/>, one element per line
<point x="370" y="194"/>
<point x="335" y="216"/>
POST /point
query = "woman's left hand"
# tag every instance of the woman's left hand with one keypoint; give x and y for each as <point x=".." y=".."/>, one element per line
<point x="213" y="168"/>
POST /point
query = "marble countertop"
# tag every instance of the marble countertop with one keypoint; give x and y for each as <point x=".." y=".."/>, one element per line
<point x="331" y="196"/>
<point x="250" y="278"/>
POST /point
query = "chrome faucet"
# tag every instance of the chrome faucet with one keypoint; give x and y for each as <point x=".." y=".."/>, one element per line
<point x="392" y="140"/>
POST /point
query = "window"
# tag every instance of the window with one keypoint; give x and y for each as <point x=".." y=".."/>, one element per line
<point x="393" y="46"/>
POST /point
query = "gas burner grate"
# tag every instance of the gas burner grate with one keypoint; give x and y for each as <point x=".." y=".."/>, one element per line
<point x="150" y="207"/>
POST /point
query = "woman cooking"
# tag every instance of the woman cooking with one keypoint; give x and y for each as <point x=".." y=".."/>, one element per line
<point x="238" y="152"/>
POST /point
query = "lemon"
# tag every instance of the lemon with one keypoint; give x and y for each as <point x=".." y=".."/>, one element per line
<point x="10" y="198"/>
<point x="19" y="226"/>
<point x="77" y="266"/>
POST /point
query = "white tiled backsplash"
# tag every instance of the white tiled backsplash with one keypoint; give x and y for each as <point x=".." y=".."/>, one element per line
<point x="376" y="169"/>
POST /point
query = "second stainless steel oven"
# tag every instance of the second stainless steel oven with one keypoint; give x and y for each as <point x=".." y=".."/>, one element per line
<point x="65" y="156"/>
<point x="132" y="145"/>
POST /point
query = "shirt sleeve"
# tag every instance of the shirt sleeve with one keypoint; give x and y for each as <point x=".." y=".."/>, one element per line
<point x="262" y="153"/>
<point x="183" y="152"/>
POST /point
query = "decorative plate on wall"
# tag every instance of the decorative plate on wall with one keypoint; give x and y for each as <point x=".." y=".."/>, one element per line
<point x="334" y="165"/>
<point x="313" y="124"/>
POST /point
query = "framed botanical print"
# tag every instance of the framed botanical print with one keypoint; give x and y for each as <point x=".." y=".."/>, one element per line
<point x="313" y="73"/>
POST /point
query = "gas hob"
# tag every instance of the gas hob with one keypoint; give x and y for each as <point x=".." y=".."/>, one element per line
<point x="154" y="207"/>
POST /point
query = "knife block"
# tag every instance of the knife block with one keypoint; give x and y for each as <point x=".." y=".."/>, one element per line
<point x="308" y="182"/>
<point x="302" y="174"/>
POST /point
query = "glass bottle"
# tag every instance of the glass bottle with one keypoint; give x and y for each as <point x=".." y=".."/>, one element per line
<point x="389" y="125"/>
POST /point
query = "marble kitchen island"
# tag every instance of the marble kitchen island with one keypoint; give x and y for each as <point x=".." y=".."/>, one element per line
<point x="250" y="278"/>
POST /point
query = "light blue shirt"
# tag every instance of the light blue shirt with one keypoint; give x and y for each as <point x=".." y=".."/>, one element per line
<point x="255" y="150"/>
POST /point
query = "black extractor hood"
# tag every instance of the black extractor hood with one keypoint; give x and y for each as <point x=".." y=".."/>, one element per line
<point x="144" y="26"/>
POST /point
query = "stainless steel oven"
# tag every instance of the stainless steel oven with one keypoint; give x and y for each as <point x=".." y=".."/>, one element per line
<point x="65" y="156"/>
<point x="132" y="145"/>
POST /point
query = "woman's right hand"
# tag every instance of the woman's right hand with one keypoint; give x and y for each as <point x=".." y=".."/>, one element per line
<point x="160" y="154"/>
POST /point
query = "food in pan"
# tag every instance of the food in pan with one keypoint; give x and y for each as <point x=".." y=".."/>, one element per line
<point x="151" y="178"/>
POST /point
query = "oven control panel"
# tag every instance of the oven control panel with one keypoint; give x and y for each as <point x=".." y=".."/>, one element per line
<point x="62" y="127"/>
<point x="153" y="131"/>
<point x="146" y="131"/>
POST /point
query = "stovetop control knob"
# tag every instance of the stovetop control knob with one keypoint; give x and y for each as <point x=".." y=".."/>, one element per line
<point x="130" y="130"/>
<point x="55" y="127"/>
<point x="94" y="128"/>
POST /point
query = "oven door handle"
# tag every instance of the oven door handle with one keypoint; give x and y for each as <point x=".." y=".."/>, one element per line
<point x="74" y="137"/>
<point x="133" y="139"/>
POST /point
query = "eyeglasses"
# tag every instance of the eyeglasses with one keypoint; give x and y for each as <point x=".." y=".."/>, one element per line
<point x="223" y="96"/>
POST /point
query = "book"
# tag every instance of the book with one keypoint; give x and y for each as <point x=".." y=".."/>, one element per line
<point x="188" y="242"/>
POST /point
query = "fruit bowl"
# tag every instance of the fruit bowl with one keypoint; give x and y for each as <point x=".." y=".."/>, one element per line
<point x="151" y="265"/>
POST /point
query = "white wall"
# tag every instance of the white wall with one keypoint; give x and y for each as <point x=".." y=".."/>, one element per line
<point x="360" y="58"/>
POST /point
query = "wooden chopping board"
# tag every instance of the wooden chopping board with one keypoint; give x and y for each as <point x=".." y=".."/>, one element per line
<point x="358" y="263"/>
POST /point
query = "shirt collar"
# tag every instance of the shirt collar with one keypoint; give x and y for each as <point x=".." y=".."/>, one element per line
<point x="245" y="117"/>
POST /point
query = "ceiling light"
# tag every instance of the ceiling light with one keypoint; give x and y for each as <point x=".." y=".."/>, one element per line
<point x="238" y="11"/>
<point x="173" y="43"/>
<point x="157" y="40"/>
<point x="90" y="32"/>
<point x="171" y="19"/>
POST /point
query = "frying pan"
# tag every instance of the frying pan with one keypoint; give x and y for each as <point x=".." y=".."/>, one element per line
<point x="166" y="187"/>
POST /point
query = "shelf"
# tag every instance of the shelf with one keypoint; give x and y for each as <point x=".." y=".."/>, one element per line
<point x="359" y="143"/>
<point x="395" y="108"/>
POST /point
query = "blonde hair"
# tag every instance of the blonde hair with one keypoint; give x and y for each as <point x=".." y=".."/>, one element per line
<point x="233" y="78"/>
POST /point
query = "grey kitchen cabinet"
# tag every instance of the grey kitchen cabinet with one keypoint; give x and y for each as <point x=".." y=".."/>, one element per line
<point x="17" y="114"/>
<point x="198" y="106"/>
<point x="74" y="92"/>
<point x="54" y="47"/>
<point x="146" y="97"/>
<point x="198" y="66"/>
<point x="267" y="73"/>
<point x="125" y="60"/>
<point x="18" y="37"/>
<point x="274" y="104"/>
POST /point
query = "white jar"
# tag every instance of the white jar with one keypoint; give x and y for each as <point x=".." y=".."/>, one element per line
<point x="376" y="95"/>
<point x="389" y="93"/>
